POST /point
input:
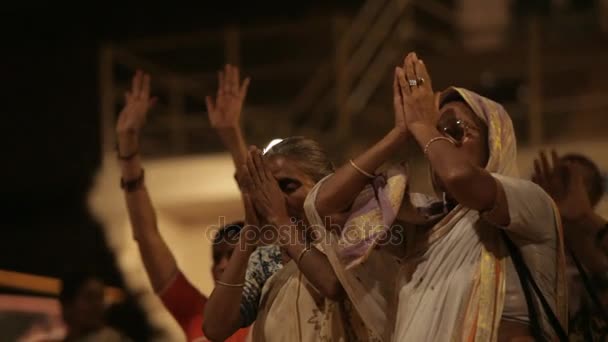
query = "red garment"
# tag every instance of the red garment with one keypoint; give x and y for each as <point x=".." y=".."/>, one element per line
<point x="186" y="303"/>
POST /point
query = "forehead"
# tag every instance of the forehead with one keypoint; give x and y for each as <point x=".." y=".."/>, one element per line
<point x="282" y="167"/>
<point x="458" y="108"/>
<point x="224" y="246"/>
<point x="587" y="171"/>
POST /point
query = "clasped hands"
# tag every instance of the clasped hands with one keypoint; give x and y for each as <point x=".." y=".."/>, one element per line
<point x="267" y="220"/>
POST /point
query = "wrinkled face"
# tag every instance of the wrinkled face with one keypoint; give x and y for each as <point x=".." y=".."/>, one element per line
<point x="85" y="312"/>
<point x="458" y="122"/>
<point x="222" y="252"/>
<point x="294" y="183"/>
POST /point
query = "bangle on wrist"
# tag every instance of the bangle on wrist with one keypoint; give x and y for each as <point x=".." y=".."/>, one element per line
<point x="132" y="185"/>
<point x="229" y="284"/>
<point x="302" y="253"/>
<point x="435" y="139"/>
<point x="361" y="171"/>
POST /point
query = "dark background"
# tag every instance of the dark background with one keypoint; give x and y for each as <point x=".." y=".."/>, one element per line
<point x="50" y="109"/>
<point x="50" y="113"/>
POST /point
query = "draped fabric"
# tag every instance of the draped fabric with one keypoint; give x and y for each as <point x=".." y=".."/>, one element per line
<point x="291" y="309"/>
<point x="449" y="284"/>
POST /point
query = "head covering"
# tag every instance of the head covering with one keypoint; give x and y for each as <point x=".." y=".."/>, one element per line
<point x="501" y="136"/>
<point x="367" y="275"/>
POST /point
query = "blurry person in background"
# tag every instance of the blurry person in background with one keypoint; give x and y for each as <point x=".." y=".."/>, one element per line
<point x="82" y="305"/>
<point x="180" y="297"/>
<point x="576" y="185"/>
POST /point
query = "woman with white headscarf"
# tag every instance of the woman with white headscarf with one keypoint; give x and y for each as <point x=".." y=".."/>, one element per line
<point x="456" y="275"/>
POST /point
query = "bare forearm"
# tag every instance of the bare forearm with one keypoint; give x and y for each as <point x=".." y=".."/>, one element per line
<point x="340" y="190"/>
<point x="234" y="141"/>
<point x="317" y="269"/>
<point x="467" y="183"/>
<point x="222" y="311"/>
<point x="157" y="258"/>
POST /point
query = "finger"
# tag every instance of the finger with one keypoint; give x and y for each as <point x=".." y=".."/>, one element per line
<point x="244" y="88"/>
<point x="423" y="74"/>
<point x="250" y="214"/>
<point x="410" y="73"/>
<point x="228" y="78"/>
<point x="267" y="172"/>
<point x="397" y="96"/>
<point x="255" y="175"/>
<point x="209" y="104"/>
<point x="235" y="80"/>
<point x="396" y="90"/>
<point x="555" y="158"/>
<point x="136" y="84"/>
<point x="403" y="85"/>
<point x="127" y="97"/>
<point x="437" y="99"/>
<point x="259" y="165"/>
<point x="220" y="83"/>
<point x="558" y="167"/>
<point x="544" y="163"/>
<point x="538" y="172"/>
<point x="245" y="181"/>
<point x="255" y="182"/>
<point x="145" y="89"/>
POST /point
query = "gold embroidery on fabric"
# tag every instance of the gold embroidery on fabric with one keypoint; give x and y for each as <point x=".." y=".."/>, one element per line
<point x="395" y="197"/>
<point x="372" y="222"/>
<point x="492" y="289"/>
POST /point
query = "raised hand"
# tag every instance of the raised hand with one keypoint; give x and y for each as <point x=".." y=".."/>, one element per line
<point x="419" y="102"/>
<point x="133" y="115"/>
<point x="225" y="111"/>
<point x="264" y="201"/>
<point x="251" y="235"/>
<point x="398" y="105"/>
<point x="564" y="182"/>
<point x="267" y="196"/>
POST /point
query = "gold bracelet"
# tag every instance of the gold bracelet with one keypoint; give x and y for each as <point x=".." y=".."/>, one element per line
<point x="363" y="172"/>
<point x="426" y="147"/>
<point x="228" y="284"/>
<point x="302" y="253"/>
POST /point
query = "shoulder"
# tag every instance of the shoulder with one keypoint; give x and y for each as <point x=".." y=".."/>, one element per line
<point x="266" y="259"/>
<point x="532" y="212"/>
<point x="525" y="192"/>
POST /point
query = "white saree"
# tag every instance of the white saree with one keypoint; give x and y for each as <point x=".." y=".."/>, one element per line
<point x="452" y="282"/>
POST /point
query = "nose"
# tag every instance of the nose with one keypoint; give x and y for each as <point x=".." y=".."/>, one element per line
<point x="292" y="209"/>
